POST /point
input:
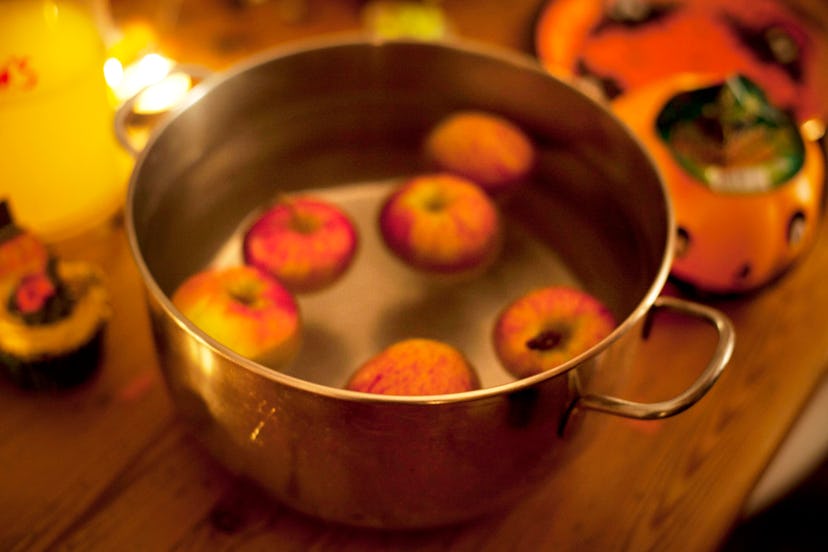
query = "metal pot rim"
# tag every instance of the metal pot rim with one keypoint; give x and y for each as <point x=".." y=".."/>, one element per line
<point x="346" y="40"/>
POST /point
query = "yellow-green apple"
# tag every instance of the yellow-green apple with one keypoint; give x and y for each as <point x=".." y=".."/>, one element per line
<point x="306" y="243"/>
<point x="415" y="366"/>
<point x="441" y="223"/>
<point x="483" y="147"/>
<point x="547" y="327"/>
<point x="245" y="309"/>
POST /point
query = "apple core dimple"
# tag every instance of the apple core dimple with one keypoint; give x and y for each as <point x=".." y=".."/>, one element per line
<point x="303" y="223"/>
<point x="435" y="203"/>
<point x="547" y="340"/>
<point x="244" y="294"/>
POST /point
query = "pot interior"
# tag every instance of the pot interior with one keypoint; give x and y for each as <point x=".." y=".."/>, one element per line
<point x="346" y="122"/>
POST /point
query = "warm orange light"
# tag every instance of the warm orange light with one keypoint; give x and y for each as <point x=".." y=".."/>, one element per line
<point x="813" y="129"/>
<point x="150" y="80"/>
<point x="163" y="95"/>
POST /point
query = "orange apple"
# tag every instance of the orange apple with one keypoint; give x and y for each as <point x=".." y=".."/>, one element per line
<point x="306" y="243"/>
<point x="415" y="367"/>
<point x="547" y="327"/>
<point x="244" y="309"/>
<point x="483" y="147"/>
<point x="441" y="223"/>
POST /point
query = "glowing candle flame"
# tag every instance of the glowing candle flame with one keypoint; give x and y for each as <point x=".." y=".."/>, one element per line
<point x="150" y="80"/>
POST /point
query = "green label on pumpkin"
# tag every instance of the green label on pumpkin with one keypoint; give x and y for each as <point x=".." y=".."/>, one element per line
<point x="730" y="138"/>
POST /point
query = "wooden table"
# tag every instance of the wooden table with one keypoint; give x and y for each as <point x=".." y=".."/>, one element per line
<point x="108" y="466"/>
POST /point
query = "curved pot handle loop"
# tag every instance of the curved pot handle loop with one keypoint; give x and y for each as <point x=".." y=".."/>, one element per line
<point x="126" y="109"/>
<point x="721" y="356"/>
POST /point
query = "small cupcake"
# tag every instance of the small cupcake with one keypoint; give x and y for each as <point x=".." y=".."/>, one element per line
<point x="52" y="323"/>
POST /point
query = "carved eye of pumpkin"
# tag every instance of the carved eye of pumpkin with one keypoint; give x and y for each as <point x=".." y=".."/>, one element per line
<point x="743" y="272"/>
<point x="772" y="44"/>
<point x="608" y="86"/>
<point x="633" y="14"/>
<point x="796" y="228"/>
<point x="682" y="242"/>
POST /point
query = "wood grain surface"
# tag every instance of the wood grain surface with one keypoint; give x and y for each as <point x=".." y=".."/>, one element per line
<point x="108" y="466"/>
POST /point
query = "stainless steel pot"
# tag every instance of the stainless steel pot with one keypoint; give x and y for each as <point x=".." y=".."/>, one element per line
<point x="343" y="119"/>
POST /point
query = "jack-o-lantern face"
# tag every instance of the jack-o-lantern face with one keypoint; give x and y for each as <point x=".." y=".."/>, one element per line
<point x="620" y="45"/>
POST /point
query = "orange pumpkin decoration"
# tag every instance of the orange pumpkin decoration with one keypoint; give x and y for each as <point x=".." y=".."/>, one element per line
<point x="747" y="207"/>
<point x="620" y="45"/>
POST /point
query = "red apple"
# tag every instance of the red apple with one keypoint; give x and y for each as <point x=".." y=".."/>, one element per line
<point x="547" y="327"/>
<point x="305" y="242"/>
<point x="441" y="223"/>
<point x="483" y="147"/>
<point x="415" y="367"/>
<point x="246" y="310"/>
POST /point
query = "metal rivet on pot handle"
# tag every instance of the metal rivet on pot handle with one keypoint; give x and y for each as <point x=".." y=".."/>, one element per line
<point x="126" y="109"/>
<point x="721" y="356"/>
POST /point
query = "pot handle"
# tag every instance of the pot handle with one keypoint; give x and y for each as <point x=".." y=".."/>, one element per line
<point x="125" y="110"/>
<point x="670" y="407"/>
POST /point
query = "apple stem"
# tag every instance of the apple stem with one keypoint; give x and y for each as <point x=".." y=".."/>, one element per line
<point x="287" y="202"/>
<point x="300" y="222"/>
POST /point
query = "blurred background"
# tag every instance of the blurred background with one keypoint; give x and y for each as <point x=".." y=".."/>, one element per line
<point x="143" y="39"/>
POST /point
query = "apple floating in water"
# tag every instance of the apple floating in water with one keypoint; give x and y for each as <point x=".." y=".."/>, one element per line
<point x="486" y="148"/>
<point x="244" y="309"/>
<point x="441" y="223"/>
<point x="415" y="366"/>
<point x="306" y="243"/>
<point x="547" y="327"/>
